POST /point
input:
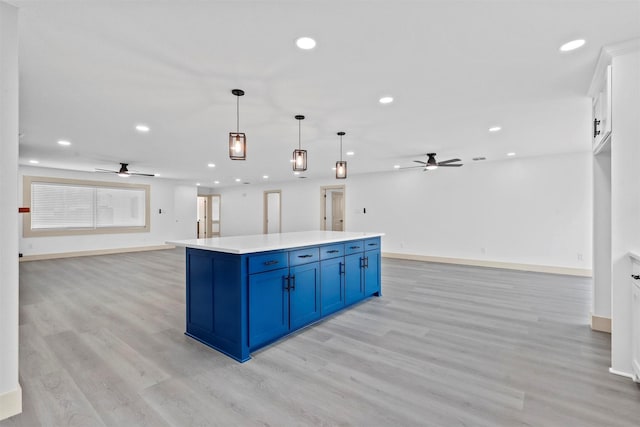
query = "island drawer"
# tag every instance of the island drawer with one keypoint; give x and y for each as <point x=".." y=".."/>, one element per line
<point x="304" y="256"/>
<point x="268" y="262"/>
<point x="331" y="251"/>
<point x="354" y="247"/>
<point x="371" y="244"/>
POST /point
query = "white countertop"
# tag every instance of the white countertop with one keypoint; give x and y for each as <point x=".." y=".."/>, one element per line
<point x="272" y="242"/>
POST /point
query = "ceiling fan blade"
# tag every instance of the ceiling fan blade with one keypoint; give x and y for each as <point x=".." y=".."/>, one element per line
<point x="448" y="161"/>
<point x="450" y="165"/>
<point x="141" y="174"/>
<point x="421" y="162"/>
<point x="105" y="170"/>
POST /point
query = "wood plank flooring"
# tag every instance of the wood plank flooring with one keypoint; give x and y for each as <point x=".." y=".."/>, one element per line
<point x="102" y="344"/>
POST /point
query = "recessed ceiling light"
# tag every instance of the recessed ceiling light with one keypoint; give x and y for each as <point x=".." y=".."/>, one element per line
<point x="350" y="153"/>
<point x="511" y="154"/>
<point x="306" y="43"/>
<point x="64" y="142"/>
<point x="396" y="166"/>
<point x="572" y="45"/>
<point x="386" y="100"/>
<point x="211" y="165"/>
<point x="265" y="176"/>
<point x="238" y="180"/>
<point x="216" y="182"/>
<point x="142" y="128"/>
<point x="296" y="173"/>
<point x="198" y="184"/>
<point x="495" y="129"/>
<point x="35" y="162"/>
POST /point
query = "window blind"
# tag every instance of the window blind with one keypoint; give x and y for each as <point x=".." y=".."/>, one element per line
<point x="57" y="206"/>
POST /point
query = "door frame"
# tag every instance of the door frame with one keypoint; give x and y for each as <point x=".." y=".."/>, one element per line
<point x="265" y="210"/>
<point x="323" y="205"/>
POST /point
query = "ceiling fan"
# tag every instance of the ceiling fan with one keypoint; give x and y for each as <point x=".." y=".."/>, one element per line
<point x="124" y="172"/>
<point x="432" y="163"/>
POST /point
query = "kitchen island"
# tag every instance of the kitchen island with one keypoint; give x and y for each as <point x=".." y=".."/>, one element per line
<point x="245" y="292"/>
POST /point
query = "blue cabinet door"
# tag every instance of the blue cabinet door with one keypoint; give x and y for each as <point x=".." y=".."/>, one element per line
<point x="304" y="294"/>
<point x="268" y="306"/>
<point x="332" y="285"/>
<point x="372" y="273"/>
<point x="353" y="279"/>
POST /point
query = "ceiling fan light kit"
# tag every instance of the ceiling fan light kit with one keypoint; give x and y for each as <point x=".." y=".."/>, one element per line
<point x="299" y="155"/>
<point x="237" y="139"/>
<point x="341" y="166"/>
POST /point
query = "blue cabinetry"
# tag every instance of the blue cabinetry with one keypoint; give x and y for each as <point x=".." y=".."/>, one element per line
<point x="240" y="303"/>
<point x="332" y="274"/>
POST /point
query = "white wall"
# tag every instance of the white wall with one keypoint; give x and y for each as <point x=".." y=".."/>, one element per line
<point x="10" y="394"/>
<point x="529" y="210"/>
<point x="177" y="221"/>
<point x="625" y="200"/>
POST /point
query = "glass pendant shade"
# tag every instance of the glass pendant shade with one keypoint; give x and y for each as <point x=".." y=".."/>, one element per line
<point x="237" y="146"/>
<point x="341" y="169"/>
<point x="237" y="139"/>
<point x="299" y="155"/>
<point x="299" y="160"/>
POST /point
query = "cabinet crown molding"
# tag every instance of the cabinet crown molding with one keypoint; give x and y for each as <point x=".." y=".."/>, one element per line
<point x="606" y="54"/>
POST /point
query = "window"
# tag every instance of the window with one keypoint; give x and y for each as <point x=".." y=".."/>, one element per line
<point x="67" y="207"/>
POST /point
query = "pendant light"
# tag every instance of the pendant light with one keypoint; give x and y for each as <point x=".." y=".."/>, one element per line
<point x="299" y="155"/>
<point x="341" y="166"/>
<point x="237" y="140"/>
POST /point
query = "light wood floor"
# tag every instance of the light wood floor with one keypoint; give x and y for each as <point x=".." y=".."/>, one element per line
<point x="101" y="343"/>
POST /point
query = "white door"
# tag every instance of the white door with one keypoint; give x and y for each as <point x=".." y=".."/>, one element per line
<point x="272" y="214"/>
<point x="201" y="225"/>
<point x="337" y="211"/>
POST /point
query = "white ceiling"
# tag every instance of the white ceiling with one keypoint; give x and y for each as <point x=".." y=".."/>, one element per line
<point x="91" y="70"/>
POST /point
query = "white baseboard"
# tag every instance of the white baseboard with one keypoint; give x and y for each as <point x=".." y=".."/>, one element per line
<point x="494" y="264"/>
<point x="94" y="252"/>
<point x="622" y="374"/>
<point x="11" y="403"/>
<point x="601" y="324"/>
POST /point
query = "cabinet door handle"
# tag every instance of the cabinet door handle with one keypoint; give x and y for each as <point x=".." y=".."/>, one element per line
<point x="272" y="262"/>
<point x="305" y="256"/>
<point x="287" y="281"/>
<point x="354" y="247"/>
<point x="342" y="268"/>
<point x="366" y="262"/>
<point x="361" y="262"/>
<point x="333" y="251"/>
<point x="596" y="123"/>
<point x="372" y="244"/>
<point x="635" y="276"/>
<point x="293" y="283"/>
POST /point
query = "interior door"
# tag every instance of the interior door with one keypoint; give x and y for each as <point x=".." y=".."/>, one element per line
<point x="215" y="206"/>
<point x="337" y="211"/>
<point x="201" y="225"/>
<point x="272" y="214"/>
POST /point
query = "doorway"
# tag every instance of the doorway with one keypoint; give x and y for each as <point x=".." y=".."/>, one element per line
<point x="208" y="221"/>
<point x="332" y="207"/>
<point x="272" y="222"/>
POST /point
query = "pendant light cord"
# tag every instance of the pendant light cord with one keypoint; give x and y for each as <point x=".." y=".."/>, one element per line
<point x="299" y="135"/>
<point x="340" y="147"/>
<point x="237" y="114"/>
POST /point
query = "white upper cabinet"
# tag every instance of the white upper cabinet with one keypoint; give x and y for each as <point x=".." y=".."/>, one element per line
<point x="601" y="118"/>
